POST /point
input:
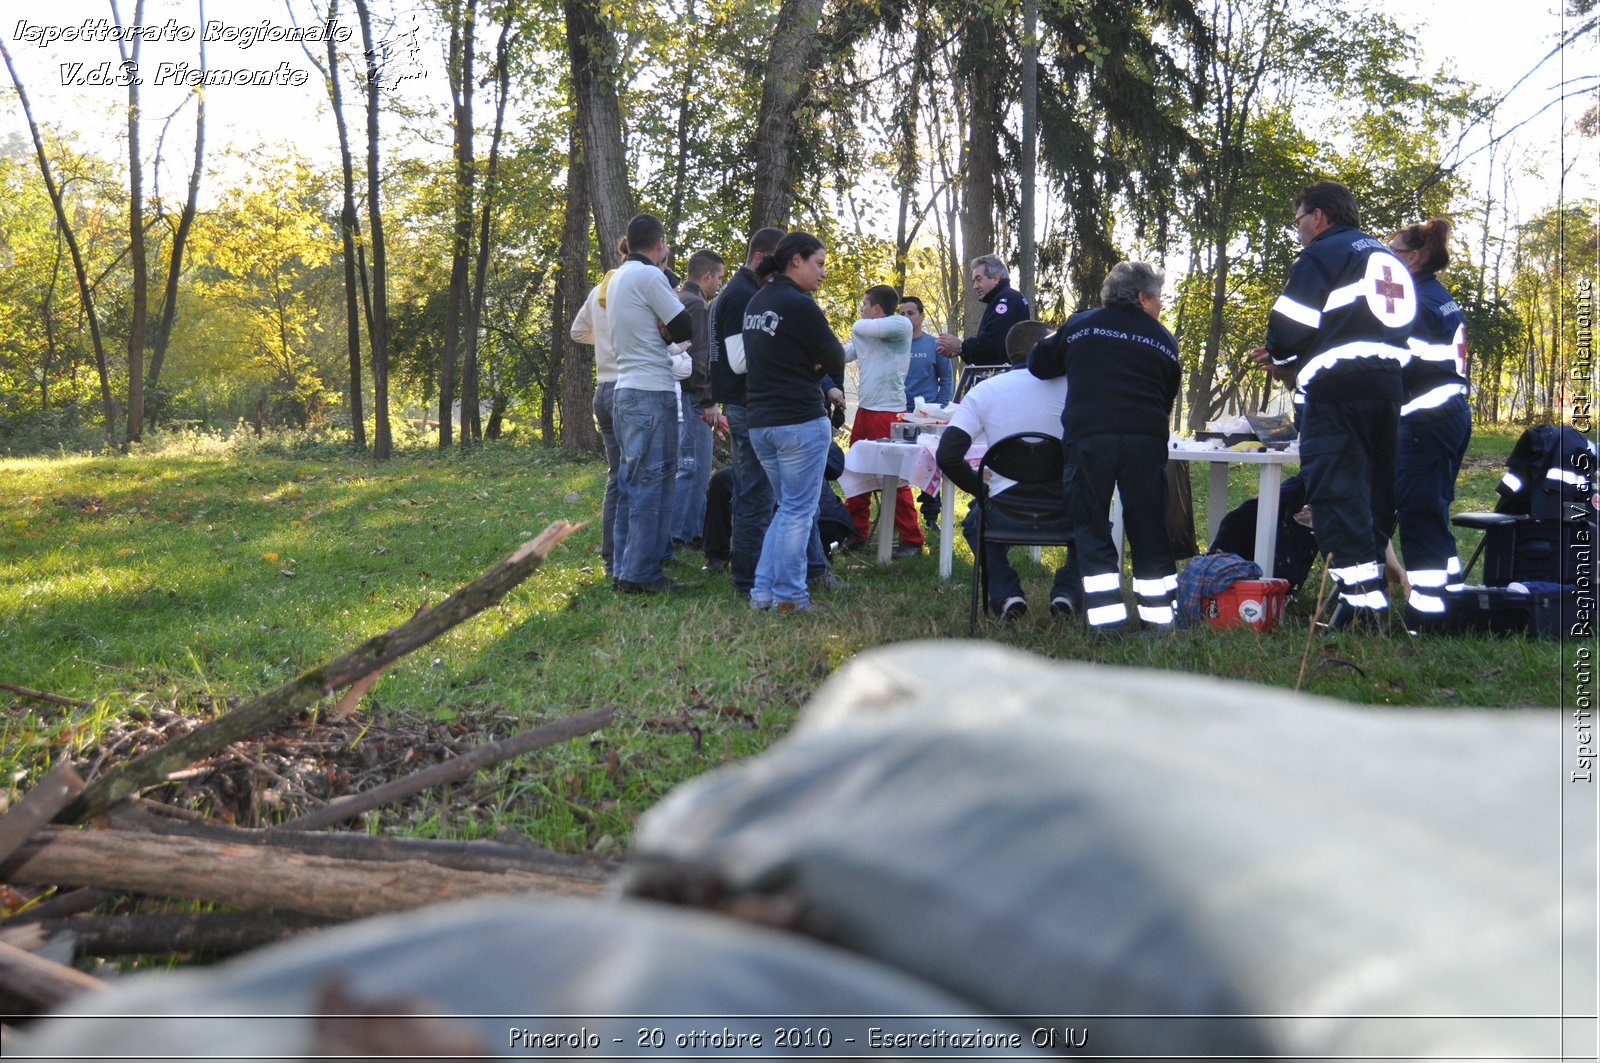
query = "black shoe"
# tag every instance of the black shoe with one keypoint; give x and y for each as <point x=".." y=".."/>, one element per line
<point x="1013" y="609"/>
<point x="904" y="551"/>
<point x="1356" y="620"/>
<point x="715" y="564"/>
<point x="663" y="585"/>
<point x="1063" y="609"/>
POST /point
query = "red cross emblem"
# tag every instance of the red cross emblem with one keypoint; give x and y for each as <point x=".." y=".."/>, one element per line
<point x="1390" y="290"/>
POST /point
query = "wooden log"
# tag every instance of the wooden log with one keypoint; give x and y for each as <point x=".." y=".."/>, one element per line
<point x="482" y="855"/>
<point x="33" y="985"/>
<point x="452" y="770"/>
<point x="152" y="767"/>
<point x="38" y="807"/>
<point x="61" y="905"/>
<point x="259" y="876"/>
<point x="213" y="933"/>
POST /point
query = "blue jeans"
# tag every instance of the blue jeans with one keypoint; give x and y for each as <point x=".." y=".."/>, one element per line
<point x="752" y="501"/>
<point x="603" y="396"/>
<point x="646" y="424"/>
<point x="794" y="456"/>
<point x="694" y="472"/>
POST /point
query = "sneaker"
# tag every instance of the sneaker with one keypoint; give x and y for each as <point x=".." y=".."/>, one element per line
<point x="826" y="581"/>
<point x="760" y="605"/>
<point x="906" y="550"/>
<point x="1355" y="620"/>
<point x="1062" y="609"/>
<point x="785" y="608"/>
<point x="1014" y="608"/>
<point x="661" y="585"/>
<point x="715" y="565"/>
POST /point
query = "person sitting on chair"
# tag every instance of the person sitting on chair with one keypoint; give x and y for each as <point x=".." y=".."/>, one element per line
<point x="998" y="407"/>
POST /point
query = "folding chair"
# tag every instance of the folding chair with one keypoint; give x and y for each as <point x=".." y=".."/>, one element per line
<point x="972" y="374"/>
<point x="1028" y="458"/>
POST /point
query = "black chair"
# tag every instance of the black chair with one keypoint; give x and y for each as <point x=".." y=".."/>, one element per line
<point x="972" y="374"/>
<point x="1030" y="458"/>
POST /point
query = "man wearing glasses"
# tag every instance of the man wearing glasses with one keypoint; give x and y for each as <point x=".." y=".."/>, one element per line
<point x="1339" y="333"/>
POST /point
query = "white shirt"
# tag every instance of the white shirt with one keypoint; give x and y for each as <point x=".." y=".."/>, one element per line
<point x="638" y="298"/>
<point x="591" y="326"/>
<point x="883" y="347"/>
<point x="1008" y="403"/>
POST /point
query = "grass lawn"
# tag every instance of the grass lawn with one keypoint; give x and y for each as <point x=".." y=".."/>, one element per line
<point x="198" y="570"/>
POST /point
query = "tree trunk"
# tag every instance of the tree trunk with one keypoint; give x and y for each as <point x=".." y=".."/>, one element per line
<point x="347" y="234"/>
<point x="378" y="327"/>
<point x="592" y="52"/>
<point x="169" y="299"/>
<point x="136" y="250"/>
<point x="471" y="419"/>
<point x="85" y="295"/>
<point x="1030" y="145"/>
<point x="792" y="48"/>
<point x="575" y="361"/>
<point x="463" y="79"/>
<point x="255" y="877"/>
<point x="982" y="149"/>
<point x="680" y="162"/>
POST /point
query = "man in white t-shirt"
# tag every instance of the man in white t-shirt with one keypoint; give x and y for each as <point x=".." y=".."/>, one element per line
<point x="880" y="343"/>
<point x="640" y="307"/>
<point x="1000" y="406"/>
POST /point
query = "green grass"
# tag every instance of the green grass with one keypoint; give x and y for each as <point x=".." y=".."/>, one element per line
<point x="199" y="570"/>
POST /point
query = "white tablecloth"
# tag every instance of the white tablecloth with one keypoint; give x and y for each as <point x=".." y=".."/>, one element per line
<point x="882" y="465"/>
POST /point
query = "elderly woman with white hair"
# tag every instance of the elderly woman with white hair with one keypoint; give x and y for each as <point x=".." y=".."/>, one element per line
<point x="1122" y="374"/>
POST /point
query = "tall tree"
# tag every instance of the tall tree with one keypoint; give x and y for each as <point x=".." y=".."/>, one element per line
<point x="85" y="292"/>
<point x="180" y="238"/>
<point x="463" y="81"/>
<point x="980" y="75"/>
<point x="793" y="51"/>
<point x="348" y="228"/>
<point x="576" y="361"/>
<point x="378" y="328"/>
<point x="592" y="53"/>
<point x="136" y="248"/>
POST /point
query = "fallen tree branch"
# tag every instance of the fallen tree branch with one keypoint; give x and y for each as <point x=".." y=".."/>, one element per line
<point x="490" y="856"/>
<point x="39" y="695"/>
<point x="59" y="786"/>
<point x="152" y="768"/>
<point x="33" y="985"/>
<point x="260" y="876"/>
<point x="452" y="770"/>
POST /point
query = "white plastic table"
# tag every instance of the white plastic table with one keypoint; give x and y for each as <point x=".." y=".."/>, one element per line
<point x="1271" y="463"/>
<point x="882" y="465"/>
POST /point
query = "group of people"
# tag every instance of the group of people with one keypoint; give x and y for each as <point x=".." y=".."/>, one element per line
<point x="1364" y="333"/>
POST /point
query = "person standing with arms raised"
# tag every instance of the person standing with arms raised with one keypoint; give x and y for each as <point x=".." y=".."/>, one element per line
<point x="788" y="349"/>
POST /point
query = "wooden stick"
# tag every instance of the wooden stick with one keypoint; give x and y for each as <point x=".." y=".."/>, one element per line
<point x="39" y="807"/>
<point x="61" y="905"/>
<point x="307" y="689"/>
<point x="452" y="770"/>
<point x="257" y="876"/>
<point x="39" y="695"/>
<point x="33" y="985"/>
<point x="1311" y="632"/>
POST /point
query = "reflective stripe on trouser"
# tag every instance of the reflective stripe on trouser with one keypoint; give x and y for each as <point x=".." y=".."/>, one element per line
<point x="1428" y="459"/>
<point x="1347" y="458"/>
<point x="1102" y="599"/>
<point x="1427" y="589"/>
<point x="1136" y="466"/>
<point x="1157" y="599"/>
<point x="1361" y="585"/>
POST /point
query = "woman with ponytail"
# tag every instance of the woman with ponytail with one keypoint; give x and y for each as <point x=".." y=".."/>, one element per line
<point x="788" y="349"/>
<point x="1435" y="425"/>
